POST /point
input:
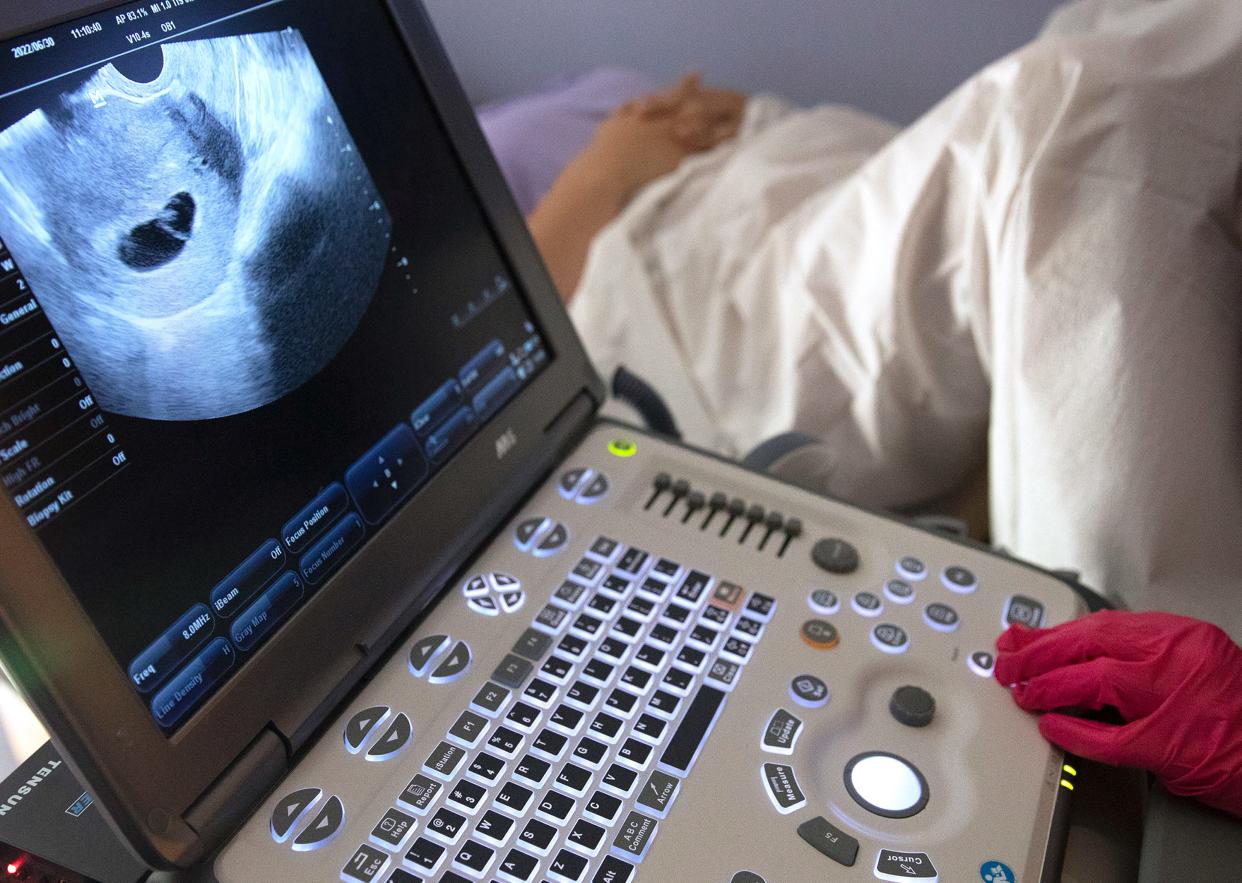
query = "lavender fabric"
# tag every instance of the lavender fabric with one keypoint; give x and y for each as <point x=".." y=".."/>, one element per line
<point x="535" y="136"/>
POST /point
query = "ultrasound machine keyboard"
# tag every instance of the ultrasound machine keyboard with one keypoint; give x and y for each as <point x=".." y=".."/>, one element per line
<point x="594" y="719"/>
<point x="635" y="667"/>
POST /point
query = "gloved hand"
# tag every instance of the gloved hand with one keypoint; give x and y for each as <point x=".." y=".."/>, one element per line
<point x="1176" y="682"/>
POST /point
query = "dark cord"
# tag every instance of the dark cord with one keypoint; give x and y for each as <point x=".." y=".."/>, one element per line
<point x="637" y="393"/>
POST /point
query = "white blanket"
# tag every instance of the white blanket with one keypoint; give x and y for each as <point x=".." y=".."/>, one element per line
<point x="1043" y="271"/>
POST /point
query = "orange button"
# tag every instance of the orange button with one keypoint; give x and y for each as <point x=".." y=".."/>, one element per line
<point x="728" y="595"/>
<point x="820" y="634"/>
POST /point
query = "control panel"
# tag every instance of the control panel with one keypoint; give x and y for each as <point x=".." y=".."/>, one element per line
<point x="667" y="667"/>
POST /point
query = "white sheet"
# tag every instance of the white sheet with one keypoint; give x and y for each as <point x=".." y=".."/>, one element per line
<point x="1052" y="253"/>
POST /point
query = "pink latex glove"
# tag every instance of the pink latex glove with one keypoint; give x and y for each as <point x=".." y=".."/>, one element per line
<point x="1177" y="683"/>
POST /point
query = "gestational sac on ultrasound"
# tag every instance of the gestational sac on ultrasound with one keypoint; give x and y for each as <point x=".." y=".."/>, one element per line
<point x="205" y="242"/>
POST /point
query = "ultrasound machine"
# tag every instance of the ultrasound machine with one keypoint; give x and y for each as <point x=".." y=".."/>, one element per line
<point x="320" y="564"/>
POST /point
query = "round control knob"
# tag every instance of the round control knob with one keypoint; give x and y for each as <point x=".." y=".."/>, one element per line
<point x="912" y="706"/>
<point x="835" y="555"/>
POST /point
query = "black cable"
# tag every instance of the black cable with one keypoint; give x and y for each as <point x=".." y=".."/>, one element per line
<point x="642" y="397"/>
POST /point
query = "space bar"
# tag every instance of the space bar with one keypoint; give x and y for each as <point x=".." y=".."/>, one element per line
<point x="683" y="751"/>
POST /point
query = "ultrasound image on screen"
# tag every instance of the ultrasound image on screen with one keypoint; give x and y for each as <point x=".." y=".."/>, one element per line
<point x="206" y="241"/>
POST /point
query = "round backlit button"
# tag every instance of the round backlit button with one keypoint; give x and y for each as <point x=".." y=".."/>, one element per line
<point x="887" y="785"/>
<point x="809" y="691"/>
<point x="623" y="448"/>
<point x="867" y="604"/>
<point x="820" y="634"/>
<point x="982" y="663"/>
<point x="912" y="568"/>
<point x="941" y="617"/>
<point x="959" y="579"/>
<point x="824" y="602"/>
<point x="890" y="638"/>
<point x="899" y="591"/>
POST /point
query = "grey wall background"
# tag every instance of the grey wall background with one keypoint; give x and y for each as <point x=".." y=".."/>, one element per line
<point x="892" y="57"/>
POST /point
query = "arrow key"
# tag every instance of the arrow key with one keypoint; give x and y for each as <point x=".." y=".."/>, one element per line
<point x="504" y="582"/>
<point x="485" y="606"/>
<point x="290" y="809"/>
<point x="425" y="651"/>
<point x="595" y="491"/>
<point x="659" y="793"/>
<point x="526" y="533"/>
<point x="556" y="539"/>
<point x="361" y="725"/>
<point x="324" y="828"/>
<point x="394" y="740"/>
<point x="571" y="480"/>
<point x="511" y="602"/>
<point x="454" y="666"/>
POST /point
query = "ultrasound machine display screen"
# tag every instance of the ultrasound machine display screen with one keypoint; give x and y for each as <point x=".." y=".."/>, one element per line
<point x="245" y="314"/>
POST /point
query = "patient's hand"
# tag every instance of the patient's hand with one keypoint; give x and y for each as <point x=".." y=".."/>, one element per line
<point x="639" y="142"/>
<point x="648" y="138"/>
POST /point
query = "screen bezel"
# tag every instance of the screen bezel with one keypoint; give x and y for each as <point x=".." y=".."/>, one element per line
<point x="149" y="782"/>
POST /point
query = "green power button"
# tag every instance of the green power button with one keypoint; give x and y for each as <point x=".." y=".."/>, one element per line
<point x="622" y="447"/>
